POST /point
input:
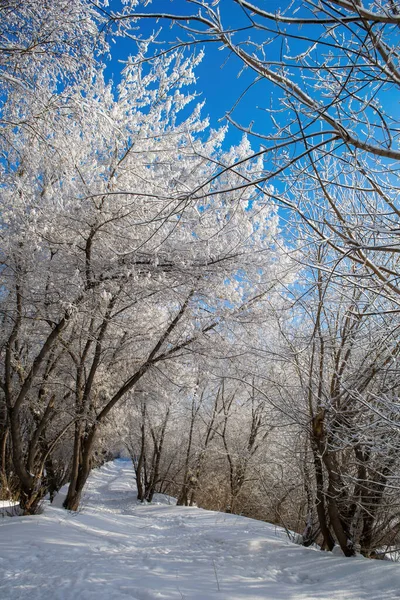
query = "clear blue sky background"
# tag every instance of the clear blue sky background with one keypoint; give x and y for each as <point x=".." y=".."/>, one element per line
<point x="218" y="82"/>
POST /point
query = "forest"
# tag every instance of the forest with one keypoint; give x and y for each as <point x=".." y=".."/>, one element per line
<point x="225" y="314"/>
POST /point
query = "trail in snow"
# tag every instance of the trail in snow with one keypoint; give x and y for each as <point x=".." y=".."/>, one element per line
<point x="115" y="549"/>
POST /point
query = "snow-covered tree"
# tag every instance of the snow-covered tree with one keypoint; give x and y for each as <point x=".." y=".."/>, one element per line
<point x="117" y="257"/>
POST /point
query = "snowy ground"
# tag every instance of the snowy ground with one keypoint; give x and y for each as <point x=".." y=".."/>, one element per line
<point x="115" y="549"/>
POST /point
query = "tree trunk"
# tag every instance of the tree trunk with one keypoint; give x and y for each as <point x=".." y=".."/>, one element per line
<point x="328" y="541"/>
<point x="139" y="466"/>
<point x="75" y="489"/>
<point x="372" y="503"/>
<point x="335" y="490"/>
<point x="5" y="490"/>
<point x="155" y="467"/>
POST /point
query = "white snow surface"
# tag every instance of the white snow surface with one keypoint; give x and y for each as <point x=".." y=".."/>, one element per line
<point x="117" y="549"/>
<point x="7" y="504"/>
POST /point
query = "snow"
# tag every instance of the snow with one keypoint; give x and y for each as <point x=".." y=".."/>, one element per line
<point x="9" y="508"/>
<point x="7" y="503"/>
<point x="116" y="548"/>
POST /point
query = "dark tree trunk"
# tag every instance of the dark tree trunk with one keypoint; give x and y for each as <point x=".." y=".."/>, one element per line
<point x="372" y="503"/>
<point x="328" y="540"/>
<point x="5" y="489"/>
<point x="334" y="493"/>
<point x="139" y="463"/>
<point x="74" y="495"/>
<point x="156" y="460"/>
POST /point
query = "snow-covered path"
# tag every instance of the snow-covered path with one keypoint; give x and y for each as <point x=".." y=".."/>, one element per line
<point x="117" y="549"/>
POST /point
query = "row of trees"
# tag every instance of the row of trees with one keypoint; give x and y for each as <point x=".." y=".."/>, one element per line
<point x="298" y="427"/>
<point x="151" y="298"/>
<point x="112" y="265"/>
<point x="325" y="76"/>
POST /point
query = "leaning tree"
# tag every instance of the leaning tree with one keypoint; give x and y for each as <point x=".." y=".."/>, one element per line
<point x="325" y="77"/>
<point x="111" y="265"/>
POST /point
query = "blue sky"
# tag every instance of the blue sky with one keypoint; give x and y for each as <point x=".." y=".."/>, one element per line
<point x="219" y="86"/>
<point x="218" y="80"/>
